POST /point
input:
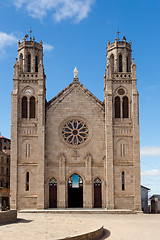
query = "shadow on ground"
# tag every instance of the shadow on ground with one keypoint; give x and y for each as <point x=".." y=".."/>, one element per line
<point x="106" y="234"/>
<point x="22" y="220"/>
<point x="19" y="220"/>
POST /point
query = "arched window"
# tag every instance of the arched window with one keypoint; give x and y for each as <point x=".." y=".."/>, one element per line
<point x="112" y="63"/>
<point x="27" y="181"/>
<point x="29" y="63"/>
<point x="125" y="107"/>
<point x="24" y="107"/>
<point x="120" y="63"/>
<point x="32" y="107"/>
<point x="21" y="62"/>
<point x="36" y="64"/>
<point x="127" y="61"/>
<point x="117" y="107"/>
<point x="123" y="181"/>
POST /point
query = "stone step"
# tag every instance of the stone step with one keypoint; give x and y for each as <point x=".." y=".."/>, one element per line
<point x="79" y="211"/>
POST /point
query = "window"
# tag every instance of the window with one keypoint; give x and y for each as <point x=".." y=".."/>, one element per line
<point x="36" y="64"/>
<point x="5" y="147"/>
<point x="127" y="65"/>
<point x="117" y="107"/>
<point x="112" y="63"/>
<point x="32" y="107"/>
<point x="29" y="63"/>
<point x="125" y="107"/>
<point x="21" y="62"/>
<point x="120" y="63"/>
<point x="123" y="181"/>
<point x="24" y="107"/>
<point x="27" y="181"/>
<point x="7" y="160"/>
<point x="2" y="183"/>
<point x="2" y="159"/>
<point x="2" y="171"/>
<point x="7" y="172"/>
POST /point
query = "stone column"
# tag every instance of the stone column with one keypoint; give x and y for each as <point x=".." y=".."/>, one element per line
<point x="61" y="201"/>
<point x="88" y="184"/>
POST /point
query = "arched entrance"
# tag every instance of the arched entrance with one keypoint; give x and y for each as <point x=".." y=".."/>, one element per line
<point x="75" y="191"/>
<point x="53" y="193"/>
<point x="97" y="193"/>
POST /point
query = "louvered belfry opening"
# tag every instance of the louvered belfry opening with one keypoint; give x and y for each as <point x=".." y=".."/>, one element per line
<point x="24" y="107"/>
<point x="117" y="107"/>
<point x="32" y="107"/>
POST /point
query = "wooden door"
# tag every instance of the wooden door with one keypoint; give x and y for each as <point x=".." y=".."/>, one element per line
<point x="53" y="193"/>
<point x="97" y="194"/>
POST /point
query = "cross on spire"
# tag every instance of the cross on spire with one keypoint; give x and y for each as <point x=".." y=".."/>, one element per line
<point x="118" y="32"/>
<point x="30" y="32"/>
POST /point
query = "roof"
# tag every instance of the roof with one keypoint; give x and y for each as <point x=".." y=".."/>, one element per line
<point x="155" y="196"/>
<point x="145" y="187"/>
<point x="68" y="89"/>
<point x="3" y="137"/>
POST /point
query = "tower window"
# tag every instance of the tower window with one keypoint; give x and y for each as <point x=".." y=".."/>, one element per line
<point x="24" y="107"/>
<point x="120" y="63"/>
<point x="125" y="107"/>
<point x="112" y="63"/>
<point x="29" y="63"/>
<point x="32" y="107"/>
<point x="123" y="181"/>
<point x="21" y="62"/>
<point x="27" y="181"/>
<point x="36" y="64"/>
<point x="127" y="65"/>
<point x="117" y="107"/>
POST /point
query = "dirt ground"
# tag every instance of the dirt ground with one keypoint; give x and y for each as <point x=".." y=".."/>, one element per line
<point x="56" y="226"/>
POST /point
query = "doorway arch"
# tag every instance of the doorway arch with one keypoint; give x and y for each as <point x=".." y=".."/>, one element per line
<point x="97" y="193"/>
<point x="75" y="191"/>
<point x="53" y="193"/>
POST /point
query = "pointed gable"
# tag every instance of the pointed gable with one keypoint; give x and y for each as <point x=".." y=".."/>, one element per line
<point x="60" y="96"/>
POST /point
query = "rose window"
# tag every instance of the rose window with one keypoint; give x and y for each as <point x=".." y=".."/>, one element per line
<point x="75" y="132"/>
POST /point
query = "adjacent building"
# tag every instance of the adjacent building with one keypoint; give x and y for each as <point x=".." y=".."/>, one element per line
<point x="4" y="171"/>
<point x="144" y="198"/>
<point x="74" y="150"/>
<point x="155" y="203"/>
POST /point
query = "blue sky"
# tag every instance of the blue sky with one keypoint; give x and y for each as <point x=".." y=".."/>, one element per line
<point x="75" y="32"/>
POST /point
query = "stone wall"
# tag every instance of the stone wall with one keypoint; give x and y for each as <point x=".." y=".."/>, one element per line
<point x="8" y="216"/>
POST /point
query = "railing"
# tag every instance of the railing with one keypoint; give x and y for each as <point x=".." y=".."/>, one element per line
<point x="28" y="75"/>
<point x="126" y="75"/>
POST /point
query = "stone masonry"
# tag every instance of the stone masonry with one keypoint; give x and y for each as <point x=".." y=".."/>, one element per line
<point x="75" y="134"/>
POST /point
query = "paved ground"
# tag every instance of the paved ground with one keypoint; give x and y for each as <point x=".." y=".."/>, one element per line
<point x="55" y="226"/>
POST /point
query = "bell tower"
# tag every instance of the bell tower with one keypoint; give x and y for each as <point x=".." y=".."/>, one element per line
<point x="122" y="128"/>
<point x="28" y="127"/>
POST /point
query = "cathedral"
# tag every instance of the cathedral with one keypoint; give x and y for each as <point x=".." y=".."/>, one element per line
<point x="75" y="151"/>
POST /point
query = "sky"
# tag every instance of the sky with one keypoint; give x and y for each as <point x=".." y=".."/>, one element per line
<point x="75" y="33"/>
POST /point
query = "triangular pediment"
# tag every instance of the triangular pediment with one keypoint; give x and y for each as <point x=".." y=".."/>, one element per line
<point x="60" y="96"/>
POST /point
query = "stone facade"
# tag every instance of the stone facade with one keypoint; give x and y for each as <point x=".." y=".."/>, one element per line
<point x="75" y="135"/>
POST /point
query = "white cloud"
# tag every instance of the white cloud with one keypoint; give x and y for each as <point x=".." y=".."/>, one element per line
<point x="60" y="9"/>
<point x="6" y="40"/>
<point x="150" y="151"/>
<point x="153" y="172"/>
<point x="47" y="47"/>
